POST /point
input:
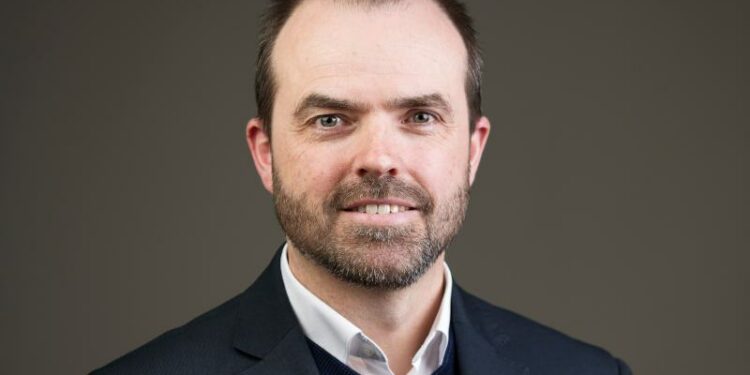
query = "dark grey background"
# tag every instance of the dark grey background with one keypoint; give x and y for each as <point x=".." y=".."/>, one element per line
<point x="611" y="202"/>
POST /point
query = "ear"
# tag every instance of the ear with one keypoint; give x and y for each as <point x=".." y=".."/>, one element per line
<point x="476" y="145"/>
<point x="260" y="147"/>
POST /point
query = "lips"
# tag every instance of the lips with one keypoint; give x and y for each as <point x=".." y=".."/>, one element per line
<point x="379" y="207"/>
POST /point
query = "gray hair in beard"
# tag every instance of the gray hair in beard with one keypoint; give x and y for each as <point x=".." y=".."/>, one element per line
<point x="363" y="255"/>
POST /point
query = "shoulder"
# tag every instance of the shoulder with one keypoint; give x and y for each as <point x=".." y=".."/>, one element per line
<point x="201" y="346"/>
<point x="540" y="349"/>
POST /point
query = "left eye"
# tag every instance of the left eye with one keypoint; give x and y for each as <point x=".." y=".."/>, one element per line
<point x="421" y="117"/>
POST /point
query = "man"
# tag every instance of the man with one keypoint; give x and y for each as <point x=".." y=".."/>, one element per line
<point x="369" y="136"/>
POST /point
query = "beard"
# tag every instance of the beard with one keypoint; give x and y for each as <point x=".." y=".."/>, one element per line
<point x="371" y="256"/>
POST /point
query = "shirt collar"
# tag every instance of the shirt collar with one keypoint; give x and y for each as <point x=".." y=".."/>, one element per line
<point x="334" y="333"/>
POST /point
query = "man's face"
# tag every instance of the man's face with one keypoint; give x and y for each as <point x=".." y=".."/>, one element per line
<point x="371" y="156"/>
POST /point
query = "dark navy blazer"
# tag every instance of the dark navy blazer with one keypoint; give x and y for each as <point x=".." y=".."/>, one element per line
<point x="257" y="333"/>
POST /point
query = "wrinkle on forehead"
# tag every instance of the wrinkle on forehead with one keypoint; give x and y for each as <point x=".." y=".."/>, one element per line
<point x="369" y="4"/>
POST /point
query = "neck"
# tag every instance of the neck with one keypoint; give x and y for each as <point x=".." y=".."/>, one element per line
<point x="397" y="320"/>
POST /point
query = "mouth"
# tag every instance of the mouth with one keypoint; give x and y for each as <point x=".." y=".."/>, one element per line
<point x="380" y="207"/>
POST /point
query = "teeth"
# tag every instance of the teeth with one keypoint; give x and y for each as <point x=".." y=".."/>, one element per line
<point x="381" y="209"/>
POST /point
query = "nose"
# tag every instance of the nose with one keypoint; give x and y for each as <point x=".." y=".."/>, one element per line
<point x="377" y="152"/>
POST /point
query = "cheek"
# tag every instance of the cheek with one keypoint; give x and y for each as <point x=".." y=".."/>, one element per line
<point x="440" y="166"/>
<point x="313" y="171"/>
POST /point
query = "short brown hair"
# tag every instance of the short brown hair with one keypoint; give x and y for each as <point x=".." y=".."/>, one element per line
<point x="278" y="13"/>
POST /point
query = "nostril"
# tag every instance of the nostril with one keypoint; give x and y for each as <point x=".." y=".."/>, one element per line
<point x="362" y="172"/>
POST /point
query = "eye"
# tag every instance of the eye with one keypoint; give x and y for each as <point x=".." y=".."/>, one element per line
<point x="328" y="121"/>
<point x="421" y="117"/>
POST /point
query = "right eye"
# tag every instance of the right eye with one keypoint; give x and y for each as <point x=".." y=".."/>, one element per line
<point x="328" y="121"/>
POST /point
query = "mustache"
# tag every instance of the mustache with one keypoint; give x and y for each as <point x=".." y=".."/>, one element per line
<point x="372" y="187"/>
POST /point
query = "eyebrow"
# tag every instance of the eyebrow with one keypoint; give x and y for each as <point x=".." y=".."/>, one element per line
<point x="320" y="101"/>
<point x="436" y="101"/>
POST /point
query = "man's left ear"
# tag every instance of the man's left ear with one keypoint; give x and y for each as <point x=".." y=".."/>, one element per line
<point x="476" y="145"/>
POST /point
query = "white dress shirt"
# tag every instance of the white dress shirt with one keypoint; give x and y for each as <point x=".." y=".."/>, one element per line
<point x="347" y="343"/>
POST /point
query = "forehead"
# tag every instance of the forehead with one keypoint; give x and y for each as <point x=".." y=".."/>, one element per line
<point x="343" y="48"/>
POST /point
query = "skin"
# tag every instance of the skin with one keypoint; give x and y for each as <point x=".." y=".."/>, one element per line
<point x="373" y="56"/>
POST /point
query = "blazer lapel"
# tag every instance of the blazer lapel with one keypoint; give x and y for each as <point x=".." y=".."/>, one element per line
<point x="268" y="329"/>
<point x="475" y="351"/>
<point x="290" y="356"/>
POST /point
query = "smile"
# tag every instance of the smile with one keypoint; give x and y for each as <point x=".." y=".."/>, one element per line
<point x="380" y="207"/>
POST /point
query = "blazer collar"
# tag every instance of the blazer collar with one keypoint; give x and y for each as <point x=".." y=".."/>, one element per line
<point x="268" y="329"/>
<point x="478" y="343"/>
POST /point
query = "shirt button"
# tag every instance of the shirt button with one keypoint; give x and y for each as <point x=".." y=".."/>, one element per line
<point x="369" y="352"/>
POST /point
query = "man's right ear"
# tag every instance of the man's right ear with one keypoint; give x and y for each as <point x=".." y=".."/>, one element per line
<point x="260" y="147"/>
